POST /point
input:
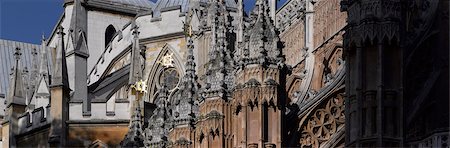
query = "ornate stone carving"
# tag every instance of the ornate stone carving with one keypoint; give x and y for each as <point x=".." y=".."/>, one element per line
<point x="135" y="135"/>
<point x="157" y="131"/>
<point x="291" y="12"/>
<point x="293" y="40"/>
<point x="167" y="60"/>
<point x="366" y="23"/>
<point x="220" y="66"/>
<point x="263" y="46"/>
<point x="323" y="123"/>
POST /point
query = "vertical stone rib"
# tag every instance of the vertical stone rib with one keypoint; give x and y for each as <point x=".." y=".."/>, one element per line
<point x="43" y="63"/>
<point x="59" y="76"/>
<point x="136" y="69"/>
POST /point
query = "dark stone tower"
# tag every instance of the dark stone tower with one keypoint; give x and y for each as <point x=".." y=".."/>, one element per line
<point x="397" y="61"/>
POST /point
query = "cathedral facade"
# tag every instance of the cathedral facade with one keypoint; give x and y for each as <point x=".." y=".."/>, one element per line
<point x="205" y="73"/>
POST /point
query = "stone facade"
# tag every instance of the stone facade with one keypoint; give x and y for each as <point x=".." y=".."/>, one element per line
<point x="205" y="73"/>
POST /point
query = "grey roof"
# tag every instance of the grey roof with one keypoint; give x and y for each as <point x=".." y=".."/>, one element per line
<point x="165" y="5"/>
<point x="128" y="6"/>
<point x="7" y="49"/>
<point x="7" y="61"/>
<point x="135" y="3"/>
<point x="228" y="3"/>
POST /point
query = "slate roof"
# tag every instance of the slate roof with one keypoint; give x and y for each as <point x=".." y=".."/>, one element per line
<point x="7" y="49"/>
<point x="163" y="5"/>
<point x="128" y="6"/>
<point x="130" y="3"/>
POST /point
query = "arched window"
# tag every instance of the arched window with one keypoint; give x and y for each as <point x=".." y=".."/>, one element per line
<point x="109" y="33"/>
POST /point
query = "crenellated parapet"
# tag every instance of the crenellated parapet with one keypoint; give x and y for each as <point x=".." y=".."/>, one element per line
<point x="32" y="120"/>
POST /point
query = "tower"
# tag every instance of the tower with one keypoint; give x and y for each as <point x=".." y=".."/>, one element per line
<point x="214" y="122"/>
<point x="77" y="54"/>
<point x="185" y="104"/>
<point x="59" y="88"/>
<point x="258" y="97"/>
<point x="135" y="135"/>
<point x="374" y="77"/>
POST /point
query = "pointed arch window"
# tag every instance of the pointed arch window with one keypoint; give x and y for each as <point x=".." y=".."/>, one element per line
<point x="109" y="34"/>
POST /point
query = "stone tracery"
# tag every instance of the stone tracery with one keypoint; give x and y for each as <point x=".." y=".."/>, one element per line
<point x="323" y="123"/>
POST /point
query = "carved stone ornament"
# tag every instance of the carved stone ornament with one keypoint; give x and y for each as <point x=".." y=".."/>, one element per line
<point x="167" y="60"/>
<point x="323" y="123"/>
<point x="140" y="86"/>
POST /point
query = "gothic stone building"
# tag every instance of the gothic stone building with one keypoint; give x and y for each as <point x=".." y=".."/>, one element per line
<point x="205" y="73"/>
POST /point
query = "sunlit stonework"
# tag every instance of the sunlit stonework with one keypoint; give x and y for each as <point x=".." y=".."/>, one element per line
<point x="167" y="60"/>
<point x="213" y="73"/>
<point x="140" y="86"/>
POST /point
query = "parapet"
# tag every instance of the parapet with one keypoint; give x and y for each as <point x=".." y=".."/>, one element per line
<point x="32" y="120"/>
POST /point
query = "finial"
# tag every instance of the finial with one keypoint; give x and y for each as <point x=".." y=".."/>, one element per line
<point x="60" y="30"/>
<point x="17" y="54"/>
<point x="43" y="36"/>
<point x="34" y="52"/>
<point x="134" y="29"/>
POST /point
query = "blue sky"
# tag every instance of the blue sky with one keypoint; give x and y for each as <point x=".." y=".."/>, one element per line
<point x="27" y="20"/>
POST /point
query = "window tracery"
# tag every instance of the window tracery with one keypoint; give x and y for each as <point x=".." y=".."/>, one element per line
<point x="323" y="123"/>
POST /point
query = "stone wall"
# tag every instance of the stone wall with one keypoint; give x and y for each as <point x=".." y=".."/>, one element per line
<point x="98" y="21"/>
<point x="328" y="20"/>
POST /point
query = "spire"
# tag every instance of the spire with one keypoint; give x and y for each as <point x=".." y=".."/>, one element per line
<point x="219" y="68"/>
<point x="136" y="60"/>
<point x="43" y="65"/>
<point x="78" y="27"/>
<point x="35" y="70"/>
<point x="273" y="8"/>
<point x="134" y="137"/>
<point x="190" y="78"/>
<point x="34" y="73"/>
<point x="157" y="130"/>
<point x="240" y="26"/>
<point x="16" y="94"/>
<point x="77" y="54"/>
<point x="59" y="76"/>
<point x="187" y="108"/>
<point x="263" y="47"/>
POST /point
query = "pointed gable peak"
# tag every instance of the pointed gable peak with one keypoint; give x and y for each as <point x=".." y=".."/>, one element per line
<point x="16" y="94"/>
<point x="81" y="47"/>
<point x="59" y="76"/>
<point x="43" y="61"/>
<point x="263" y="46"/>
<point x="42" y="89"/>
<point x="78" y="29"/>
